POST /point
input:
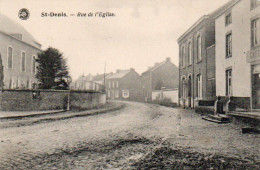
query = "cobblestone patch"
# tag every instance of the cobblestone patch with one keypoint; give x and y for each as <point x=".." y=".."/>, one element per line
<point x="168" y="158"/>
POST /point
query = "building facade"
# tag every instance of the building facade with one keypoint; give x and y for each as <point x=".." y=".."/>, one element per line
<point x="238" y="53"/>
<point x="18" y="50"/>
<point x="124" y="85"/>
<point x="161" y="75"/>
<point x="197" y="61"/>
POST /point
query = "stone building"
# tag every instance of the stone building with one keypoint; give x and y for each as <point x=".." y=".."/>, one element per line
<point x="197" y="60"/>
<point x="161" y="75"/>
<point x="124" y="85"/>
<point x="19" y="50"/>
<point x="238" y="53"/>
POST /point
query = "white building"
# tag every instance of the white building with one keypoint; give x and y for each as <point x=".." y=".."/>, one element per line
<point x="18" y="50"/>
<point x="238" y="53"/>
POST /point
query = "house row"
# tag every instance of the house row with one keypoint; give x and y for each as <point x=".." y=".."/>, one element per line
<point x="129" y="85"/>
<point x="219" y="55"/>
<point x="18" y="51"/>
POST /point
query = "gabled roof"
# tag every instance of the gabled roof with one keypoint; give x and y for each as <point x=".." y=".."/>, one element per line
<point x="213" y="15"/>
<point x="229" y="5"/>
<point x="157" y="65"/>
<point x="11" y="27"/>
<point x="154" y="67"/>
<point x="119" y="74"/>
<point x="99" y="77"/>
<point x="193" y="26"/>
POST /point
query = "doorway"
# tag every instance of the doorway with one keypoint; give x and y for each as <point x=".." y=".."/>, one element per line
<point x="189" y="91"/>
<point x="256" y="91"/>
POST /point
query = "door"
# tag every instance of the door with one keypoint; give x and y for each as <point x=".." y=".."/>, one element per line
<point x="256" y="91"/>
<point x="189" y="92"/>
<point x="112" y="94"/>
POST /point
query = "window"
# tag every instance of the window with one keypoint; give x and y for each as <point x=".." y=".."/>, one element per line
<point x="113" y="84"/>
<point x="254" y="3"/>
<point x="199" y="48"/>
<point x="189" y="53"/>
<point x="256" y="32"/>
<point x="117" y="94"/>
<point x="117" y="84"/>
<point x="23" y="62"/>
<point x="10" y="57"/>
<point x="229" y="82"/>
<point x="228" y="19"/>
<point x="11" y="83"/>
<point x="108" y="93"/>
<point x="183" y="56"/>
<point x="125" y="93"/>
<point x="109" y="84"/>
<point x="199" y="86"/>
<point x="228" y="45"/>
<point x="183" y="88"/>
<point x="34" y="64"/>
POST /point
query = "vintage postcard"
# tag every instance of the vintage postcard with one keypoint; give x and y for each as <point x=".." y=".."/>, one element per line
<point x="129" y="84"/>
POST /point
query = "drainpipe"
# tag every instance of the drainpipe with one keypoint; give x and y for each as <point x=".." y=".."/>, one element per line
<point x="206" y="75"/>
<point x="193" y="68"/>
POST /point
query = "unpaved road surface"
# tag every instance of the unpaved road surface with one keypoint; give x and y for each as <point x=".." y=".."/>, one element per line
<point x="139" y="136"/>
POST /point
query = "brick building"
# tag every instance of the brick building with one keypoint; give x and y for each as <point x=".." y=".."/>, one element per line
<point x="161" y="75"/>
<point x="18" y="50"/>
<point x="124" y="85"/>
<point x="238" y="53"/>
<point x="197" y="60"/>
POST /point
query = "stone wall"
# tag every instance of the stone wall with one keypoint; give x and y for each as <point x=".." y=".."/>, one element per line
<point x="86" y="100"/>
<point x="27" y="100"/>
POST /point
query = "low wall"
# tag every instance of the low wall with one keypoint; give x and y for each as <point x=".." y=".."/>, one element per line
<point x="85" y="100"/>
<point x="36" y="100"/>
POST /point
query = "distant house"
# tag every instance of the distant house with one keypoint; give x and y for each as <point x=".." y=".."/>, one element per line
<point x="82" y="83"/>
<point x="18" y="50"/>
<point x="99" y="78"/>
<point x="123" y="85"/>
<point x="161" y="75"/>
<point x="90" y="82"/>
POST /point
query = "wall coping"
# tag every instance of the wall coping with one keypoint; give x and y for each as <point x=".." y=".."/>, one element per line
<point x="51" y="90"/>
<point x="176" y="89"/>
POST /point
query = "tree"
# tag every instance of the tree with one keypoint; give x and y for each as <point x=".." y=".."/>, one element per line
<point x="1" y="73"/>
<point x="52" y="69"/>
<point x="159" y="85"/>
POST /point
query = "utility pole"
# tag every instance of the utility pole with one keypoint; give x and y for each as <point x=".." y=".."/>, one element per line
<point x="105" y="76"/>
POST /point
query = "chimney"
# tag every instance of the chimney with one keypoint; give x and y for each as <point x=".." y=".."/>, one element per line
<point x="168" y="59"/>
<point x="117" y="71"/>
<point x="132" y="69"/>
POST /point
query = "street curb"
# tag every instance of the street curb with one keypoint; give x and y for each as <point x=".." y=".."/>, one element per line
<point x="32" y="115"/>
<point x="77" y="114"/>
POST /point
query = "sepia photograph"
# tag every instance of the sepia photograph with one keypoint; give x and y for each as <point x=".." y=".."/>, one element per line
<point x="130" y="84"/>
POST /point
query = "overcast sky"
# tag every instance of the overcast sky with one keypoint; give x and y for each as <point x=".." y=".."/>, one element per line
<point x="141" y="33"/>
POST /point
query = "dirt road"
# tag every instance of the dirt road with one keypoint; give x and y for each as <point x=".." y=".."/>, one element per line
<point x="139" y="136"/>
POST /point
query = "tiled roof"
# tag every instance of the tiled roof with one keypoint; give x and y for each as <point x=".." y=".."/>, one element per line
<point x="98" y="77"/>
<point x="119" y="74"/>
<point x="9" y="27"/>
<point x="154" y="67"/>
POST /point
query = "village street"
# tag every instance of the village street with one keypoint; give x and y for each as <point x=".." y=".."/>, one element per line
<point x="138" y="136"/>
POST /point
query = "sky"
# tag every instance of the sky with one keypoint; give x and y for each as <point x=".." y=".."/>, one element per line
<point x="140" y="34"/>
